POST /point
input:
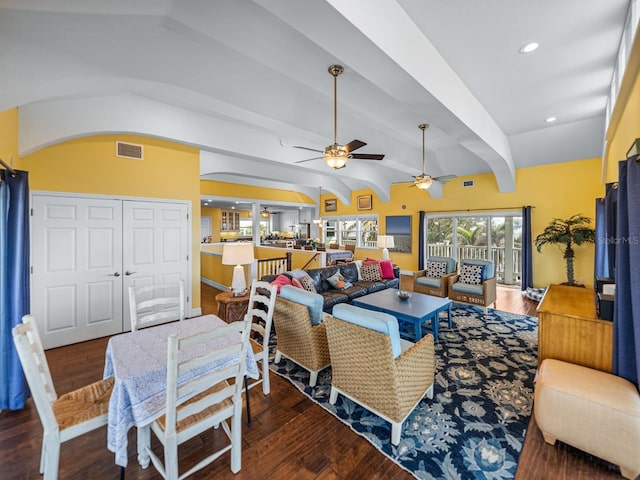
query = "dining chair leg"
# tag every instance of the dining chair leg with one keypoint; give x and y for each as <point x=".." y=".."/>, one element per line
<point x="246" y="394"/>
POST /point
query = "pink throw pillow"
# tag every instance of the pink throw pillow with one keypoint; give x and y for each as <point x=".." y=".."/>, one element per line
<point x="280" y="281"/>
<point x="386" y="267"/>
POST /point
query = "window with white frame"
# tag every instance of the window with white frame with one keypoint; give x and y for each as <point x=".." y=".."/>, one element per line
<point x="358" y="230"/>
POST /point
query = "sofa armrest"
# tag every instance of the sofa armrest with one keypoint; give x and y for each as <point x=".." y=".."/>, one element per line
<point x="453" y="279"/>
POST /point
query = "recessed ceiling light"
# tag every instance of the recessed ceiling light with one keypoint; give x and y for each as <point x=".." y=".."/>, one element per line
<point x="551" y="119"/>
<point x="529" y="47"/>
<point x="206" y="203"/>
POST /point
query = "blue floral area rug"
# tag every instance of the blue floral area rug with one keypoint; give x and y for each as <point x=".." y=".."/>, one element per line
<point x="474" y="426"/>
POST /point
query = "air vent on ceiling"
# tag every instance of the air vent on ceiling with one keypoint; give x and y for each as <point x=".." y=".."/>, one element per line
<point x="129" y="150"/>
<point x="467" y="183"/>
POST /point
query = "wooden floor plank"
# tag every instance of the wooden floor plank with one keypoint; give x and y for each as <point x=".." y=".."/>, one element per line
<point x="291" y="436"/>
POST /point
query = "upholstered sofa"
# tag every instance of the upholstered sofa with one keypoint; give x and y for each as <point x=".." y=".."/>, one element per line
<point x="351" y="273"/>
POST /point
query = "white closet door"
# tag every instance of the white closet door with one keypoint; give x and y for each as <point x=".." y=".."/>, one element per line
<point x="155" y="246"/>
<point x="76" y="284"/>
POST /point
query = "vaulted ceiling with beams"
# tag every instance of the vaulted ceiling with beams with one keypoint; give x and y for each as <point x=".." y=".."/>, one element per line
<point x="245" y="81"/>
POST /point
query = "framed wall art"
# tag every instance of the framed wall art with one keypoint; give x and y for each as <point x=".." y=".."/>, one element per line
<point x="330" y="205"/>
<point x="364" y="202"/>
<point x="400" y="228"/>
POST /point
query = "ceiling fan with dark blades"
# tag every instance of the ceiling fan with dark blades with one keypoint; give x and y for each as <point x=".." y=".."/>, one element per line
<point x="336" y="155"/>
<point x="424" y="181"/>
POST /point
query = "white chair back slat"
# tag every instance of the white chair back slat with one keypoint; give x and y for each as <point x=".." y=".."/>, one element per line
<point x="188" y="356"/>
<point x="152" y="304"/>
<point x="261" y="308"/>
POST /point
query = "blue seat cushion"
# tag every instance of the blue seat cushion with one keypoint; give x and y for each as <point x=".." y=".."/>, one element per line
<point x="451" y="262"/>
<point x="376" y="321"/>
<point x="313" y="301"/>
<point x="487" y="264"/>
<point x="464" y="288"/>
<point x="429" y="282"/>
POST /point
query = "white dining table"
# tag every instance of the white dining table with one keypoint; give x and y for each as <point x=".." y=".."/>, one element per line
<point x="138" y="361"/>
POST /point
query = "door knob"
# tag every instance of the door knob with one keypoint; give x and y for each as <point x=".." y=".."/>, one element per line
<point x="117" y="274"/>
<point x="129" y="273"/>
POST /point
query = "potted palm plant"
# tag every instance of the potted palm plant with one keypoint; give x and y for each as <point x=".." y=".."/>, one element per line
<point x="567" y="233"/>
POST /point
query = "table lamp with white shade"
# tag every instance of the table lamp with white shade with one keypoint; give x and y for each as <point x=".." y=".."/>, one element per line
<point x="385" y="242"/>
<point x="238" y="254"/>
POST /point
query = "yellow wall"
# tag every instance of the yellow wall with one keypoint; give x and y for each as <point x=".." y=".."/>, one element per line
<point x="9" y="138"/>
<point x="210" y="187"/>
<point x="557" y="190"/>
<point x="624" y="126"/>
<point x="89" y="165"/>
<point x="624" y="133"/>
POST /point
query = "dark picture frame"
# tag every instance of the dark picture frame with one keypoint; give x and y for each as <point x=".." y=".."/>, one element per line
<point x="399" y="226"/>
<point x="364" y="202"/>
<point x="331" y="205"/>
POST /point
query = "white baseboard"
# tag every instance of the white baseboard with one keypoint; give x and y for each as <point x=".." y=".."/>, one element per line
<point x="214" y="284"/>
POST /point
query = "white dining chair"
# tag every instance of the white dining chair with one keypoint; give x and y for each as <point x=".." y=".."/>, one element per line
<point x="152" y="304"/>
<point x="65" y="417"/>
<point x="261" y="307"/>
<point x="203" y="401"/>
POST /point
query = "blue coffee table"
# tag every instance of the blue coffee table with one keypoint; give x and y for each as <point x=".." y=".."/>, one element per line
<point x="415" y="310"/>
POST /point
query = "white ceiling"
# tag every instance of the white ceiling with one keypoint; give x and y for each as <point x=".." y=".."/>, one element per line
<point x="246" y="80"/>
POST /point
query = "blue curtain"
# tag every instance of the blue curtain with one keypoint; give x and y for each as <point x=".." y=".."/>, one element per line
<point x="626" y="316"/>
<point x="610" y="217"/>
<point x="422" y="241"/>
<point x="14" y="282"/>
<point x="601" y="265"/>
<point x="526" y="279"/>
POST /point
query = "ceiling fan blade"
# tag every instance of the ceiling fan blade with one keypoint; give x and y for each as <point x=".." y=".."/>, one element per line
<point x="308" y="159"/>
<point x="367" y="156"/>
<point x="310" y="149"/>
<point x="354" y="145"/>
<point x="444" y="178"/>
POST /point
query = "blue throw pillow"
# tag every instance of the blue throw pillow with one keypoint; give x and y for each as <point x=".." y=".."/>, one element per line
<point x="313" y="301"/>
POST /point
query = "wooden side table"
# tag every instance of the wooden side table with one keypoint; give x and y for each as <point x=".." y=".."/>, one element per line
<point x="230" y="308"/>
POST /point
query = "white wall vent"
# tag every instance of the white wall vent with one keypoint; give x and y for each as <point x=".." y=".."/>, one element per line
<point x="468" y="183"/>
<point x="129" y="150"/>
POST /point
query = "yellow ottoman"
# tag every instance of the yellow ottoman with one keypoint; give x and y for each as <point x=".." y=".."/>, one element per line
<point x="591" y="410"/>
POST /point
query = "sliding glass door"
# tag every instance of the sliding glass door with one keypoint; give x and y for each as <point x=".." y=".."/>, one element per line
<point x="494" y="236"/>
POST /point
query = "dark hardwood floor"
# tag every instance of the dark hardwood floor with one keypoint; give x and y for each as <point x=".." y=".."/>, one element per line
<point x="291" y="436"/>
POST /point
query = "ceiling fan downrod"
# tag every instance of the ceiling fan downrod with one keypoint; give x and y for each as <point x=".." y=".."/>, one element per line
<point x="335" y="70"/>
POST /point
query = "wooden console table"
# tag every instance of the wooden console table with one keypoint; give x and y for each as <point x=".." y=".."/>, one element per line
<point x="230" y="308"/>
<point x="569" y="328"/>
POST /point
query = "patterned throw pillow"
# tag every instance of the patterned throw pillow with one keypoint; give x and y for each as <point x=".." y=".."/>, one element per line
<point x="436" y="269"/>
<point x="338" y="282"/>
<point x="471" y="274"/>
<point x="307" y="284"/>
<point x="370" y="272"/>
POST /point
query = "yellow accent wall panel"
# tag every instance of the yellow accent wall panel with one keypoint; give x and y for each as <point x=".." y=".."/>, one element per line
<point x="89" y="165"/>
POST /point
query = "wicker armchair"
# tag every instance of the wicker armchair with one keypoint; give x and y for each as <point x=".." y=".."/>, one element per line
<point x="483" y="294"/>
<point x="364" y="369"/>
<point x="427" y="282"/>
<point x="298" y="340"/>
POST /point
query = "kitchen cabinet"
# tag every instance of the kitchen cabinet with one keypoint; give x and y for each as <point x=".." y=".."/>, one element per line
<point x="229" y="221"/>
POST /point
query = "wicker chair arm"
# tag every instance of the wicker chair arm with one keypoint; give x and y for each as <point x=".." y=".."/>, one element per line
<point x="418" y="274"/>
<point x="489" y="290"/>
<point x="418" y="362"/>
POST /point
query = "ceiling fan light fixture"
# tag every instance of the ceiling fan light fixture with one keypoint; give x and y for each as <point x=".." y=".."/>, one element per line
<point x="336" y="160"/>
<point x="424" y="183"/>
<point x="264" y="213"/>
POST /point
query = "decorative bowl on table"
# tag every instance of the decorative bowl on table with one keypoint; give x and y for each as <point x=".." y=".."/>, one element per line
<point x="403" y="294"/>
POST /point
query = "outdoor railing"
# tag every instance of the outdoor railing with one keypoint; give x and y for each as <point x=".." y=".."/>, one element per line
<point x="481" y="253"/>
